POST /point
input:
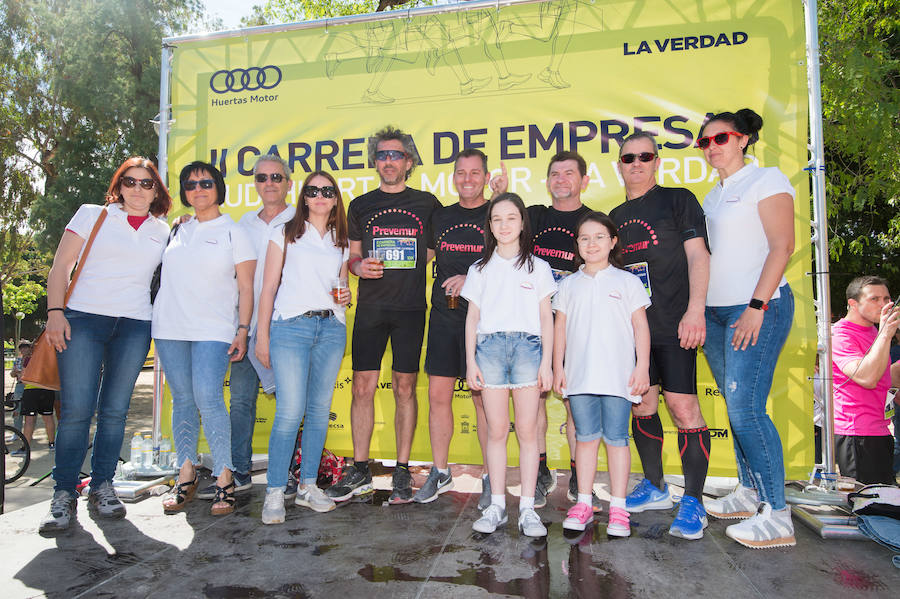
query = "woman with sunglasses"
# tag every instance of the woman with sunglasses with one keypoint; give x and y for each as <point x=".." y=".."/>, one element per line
<point x="201" y="319"/>
<point x="102" y="334"/>
<point x="302" y="333"/>
<point x="749" y="310"/>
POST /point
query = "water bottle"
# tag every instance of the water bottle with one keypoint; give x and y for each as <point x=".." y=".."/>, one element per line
<point x="137" y="456"/>
<point x="147" y="452"/>
<point x="165" y="453"/>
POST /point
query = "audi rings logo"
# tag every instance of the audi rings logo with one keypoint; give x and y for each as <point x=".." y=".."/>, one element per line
<point x="245" y="80"/>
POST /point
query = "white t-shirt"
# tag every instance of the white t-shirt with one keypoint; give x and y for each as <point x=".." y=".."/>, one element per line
<point x="509" y="297"/>
<point x="599" y="336"/>
<point x="198" y="292"/>
<point x="259" y="232"/>
<point x="737" y="240"/>
<point x="115" y="280"/>
<point x="310" y="265"/>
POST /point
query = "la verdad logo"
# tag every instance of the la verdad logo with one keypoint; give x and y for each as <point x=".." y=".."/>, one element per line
<point x="249" y="79"/>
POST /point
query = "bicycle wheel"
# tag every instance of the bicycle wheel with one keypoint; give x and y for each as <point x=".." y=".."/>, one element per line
<point x="18" y="453"/>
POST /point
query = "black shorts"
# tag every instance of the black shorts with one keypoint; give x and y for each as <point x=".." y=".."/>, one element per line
<point x="445" y="354"/>
<point x="372" y="329"/>
<point x="674" y="368"/>
<point x="37" y="401"/>
<point x="868" y="459"/>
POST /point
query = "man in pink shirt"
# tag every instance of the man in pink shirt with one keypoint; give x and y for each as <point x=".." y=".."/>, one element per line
<point x="862" y="376"/>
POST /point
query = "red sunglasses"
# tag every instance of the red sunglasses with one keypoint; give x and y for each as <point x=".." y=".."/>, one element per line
<point x="720" y="138"/>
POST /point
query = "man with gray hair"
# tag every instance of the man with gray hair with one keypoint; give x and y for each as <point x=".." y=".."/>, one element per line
<point x="662" y="231"/>
<point x="390" y="238"/>
<point x="272" y="178"/>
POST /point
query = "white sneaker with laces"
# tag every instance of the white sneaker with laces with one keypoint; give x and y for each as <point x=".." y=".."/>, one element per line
<point x="273" y="508"/>
<point x="530" y="524"/>
<point x="492" y="517"/>
<point x="314" y="498"/>
<point x="768" y="528"/>
<point x="740" y="503"/>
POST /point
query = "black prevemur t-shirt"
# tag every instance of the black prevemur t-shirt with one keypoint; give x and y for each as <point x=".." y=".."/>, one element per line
<point x="554" y="236"/>
<point x="652" y="232"/>
<point x="458" y="243"/>
<point x="399" y="223"/>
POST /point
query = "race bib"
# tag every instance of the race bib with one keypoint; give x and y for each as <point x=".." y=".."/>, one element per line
<point x="559" y="275"/>
<point x="397" y="252"/>
<point x="642" y="271"/>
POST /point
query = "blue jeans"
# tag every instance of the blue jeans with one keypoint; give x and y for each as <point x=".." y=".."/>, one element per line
<point x="306" y="355"/>
<point x="601" y="417"/>
<point x="195" y="371"/>
<point x="118" y="347"/>
<point x="744" y="379"/>
<point x="244" y="388"/>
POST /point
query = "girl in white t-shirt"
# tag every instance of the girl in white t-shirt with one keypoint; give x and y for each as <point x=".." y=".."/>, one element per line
<point x="302" y="334"/>
<point x="509" y="337"/>
<point x="601" y="362"/>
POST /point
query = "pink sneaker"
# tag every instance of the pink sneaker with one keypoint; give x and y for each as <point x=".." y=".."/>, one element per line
<point x="619" y="524"/>
<point x="578" y="517"/>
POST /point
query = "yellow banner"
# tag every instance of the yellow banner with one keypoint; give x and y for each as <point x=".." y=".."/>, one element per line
<point x="521" y="83"/>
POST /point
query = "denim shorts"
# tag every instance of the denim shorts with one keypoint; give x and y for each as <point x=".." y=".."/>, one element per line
<point x="508" y="360"/>
<point x="601" y="417"/>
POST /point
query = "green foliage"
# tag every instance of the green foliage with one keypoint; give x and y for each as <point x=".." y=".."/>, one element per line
<point x="860" y="57"/>
<point x="289" y="11"/>
<point x="22" y="298"/>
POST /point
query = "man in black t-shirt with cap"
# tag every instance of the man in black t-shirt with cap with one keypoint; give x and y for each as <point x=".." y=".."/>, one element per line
<point x="390" y="245"/>
<point x="663" y="234"/>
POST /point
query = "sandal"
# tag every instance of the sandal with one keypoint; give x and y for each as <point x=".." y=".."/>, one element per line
<point x="181" y="495"/>
<point x="223" y="495"/>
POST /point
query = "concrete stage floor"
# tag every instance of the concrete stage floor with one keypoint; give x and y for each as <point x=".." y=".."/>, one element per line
<point x="370" y="550"/>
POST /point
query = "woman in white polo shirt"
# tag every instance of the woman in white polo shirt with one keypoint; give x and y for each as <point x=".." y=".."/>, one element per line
<point x="102" y="336"/>
<point x="201" y="319"/>
<point x="749" y="310"/>
<point x="302" y="333"/>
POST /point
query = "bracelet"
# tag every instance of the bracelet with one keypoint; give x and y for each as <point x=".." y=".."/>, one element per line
<point x="244" y="326"/>
<point x="353" y="261"/>
<point x="49" y="310"/>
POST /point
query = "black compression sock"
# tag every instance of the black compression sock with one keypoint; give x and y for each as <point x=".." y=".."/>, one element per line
<point x="693" y="445"/>
<point x="648" y="439"/>
<point x="404" y="465"/>
<point x="362" y="466"/>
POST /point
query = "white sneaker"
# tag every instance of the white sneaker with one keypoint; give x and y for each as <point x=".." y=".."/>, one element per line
<point x="314" y="498"/>
<point x="530" y="523"/>
<point x="273" y="508"/>
<point x="768" y="528"/>
<point x="492" y="517"/>
<point x="740" y="503"/>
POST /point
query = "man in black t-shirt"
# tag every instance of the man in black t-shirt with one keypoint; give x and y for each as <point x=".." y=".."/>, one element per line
<point x="458" y="242"/>
<point x="554" y="241"/>
<point x="390" y="245"/>
<point x="663" y="233"/>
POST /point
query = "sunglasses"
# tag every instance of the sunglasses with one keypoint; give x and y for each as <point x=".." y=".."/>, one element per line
<point x="191" y="185"/>
<point x="263" y="177"/>
<point x="383" y="155"/>
<point x="643" y="157"/>
<point x="720" y="138"/>
<point x="311" y="191"/>
<point x="130" y="182"/>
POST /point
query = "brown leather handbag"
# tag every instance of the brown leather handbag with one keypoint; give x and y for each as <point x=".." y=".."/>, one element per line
<point x="43" y="370"/>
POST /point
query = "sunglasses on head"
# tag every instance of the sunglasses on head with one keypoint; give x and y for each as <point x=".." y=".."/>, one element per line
<point x="720" y="138"/>
<point x="263" y="177"/>
<point x="311" y="191"/>
<point x="191" y="185"/>
<point x="389" y="155"/>
<point x="130" y="182"/>
<point x="643" y="157"/>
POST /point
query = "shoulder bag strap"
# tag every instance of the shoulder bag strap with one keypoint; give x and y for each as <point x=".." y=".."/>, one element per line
<point x="84" y="255"/>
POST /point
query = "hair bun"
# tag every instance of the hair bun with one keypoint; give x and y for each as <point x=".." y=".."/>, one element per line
<point x="749" y="123"/>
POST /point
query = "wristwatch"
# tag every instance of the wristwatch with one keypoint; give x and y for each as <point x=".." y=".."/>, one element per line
<point x="758" y="304"/>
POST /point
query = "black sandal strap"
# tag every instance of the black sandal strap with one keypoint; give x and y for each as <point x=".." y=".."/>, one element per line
<point x="224" y="495"/>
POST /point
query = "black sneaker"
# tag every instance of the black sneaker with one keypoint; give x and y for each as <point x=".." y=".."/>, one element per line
<point x="540" y="498"/>
<point x="291" y="490"/>
<point x="104" y="502"/>
<point x="61" y="514"/>
<point x="402" y="483"/>
<point x="352" y="482"/>
<point x="435" y="484"/>
<point x="572" y="493"/>
<point x="546" y="479"/>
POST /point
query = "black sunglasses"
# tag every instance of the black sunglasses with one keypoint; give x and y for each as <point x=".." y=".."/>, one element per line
<point x="643" y="157"/>
<point x="311" y="191"/>
<point x="130" y="182"/>
<point x="383" y="155"/>
<point x="263" y="177"/>
<point x="191" y="184"/>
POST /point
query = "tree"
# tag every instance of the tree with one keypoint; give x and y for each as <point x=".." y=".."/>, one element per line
<point x="22" y="298"/>
<point x="288" y="11"/>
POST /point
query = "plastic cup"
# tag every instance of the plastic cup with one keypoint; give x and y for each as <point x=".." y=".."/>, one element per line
<point x="337" y="286"/>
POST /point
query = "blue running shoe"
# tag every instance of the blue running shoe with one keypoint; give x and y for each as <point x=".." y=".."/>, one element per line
<point x="690" y="521"/>
<point x="645" y="496"/>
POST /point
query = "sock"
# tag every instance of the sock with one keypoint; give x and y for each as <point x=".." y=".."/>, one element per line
<point x="526" y="503"/>
<point x="404" y="465"/>
<point x="585" y="498"/>
<point x="362" y="466"/>
<point x="572" y="465"/>
<point x="444" y="470"/>
<point x="693" y="444"/>
<point x="499" y="500"/>
<point x="648" y="439"/>
<point x="542" y="463"/>
<point x="618" y="502"/>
